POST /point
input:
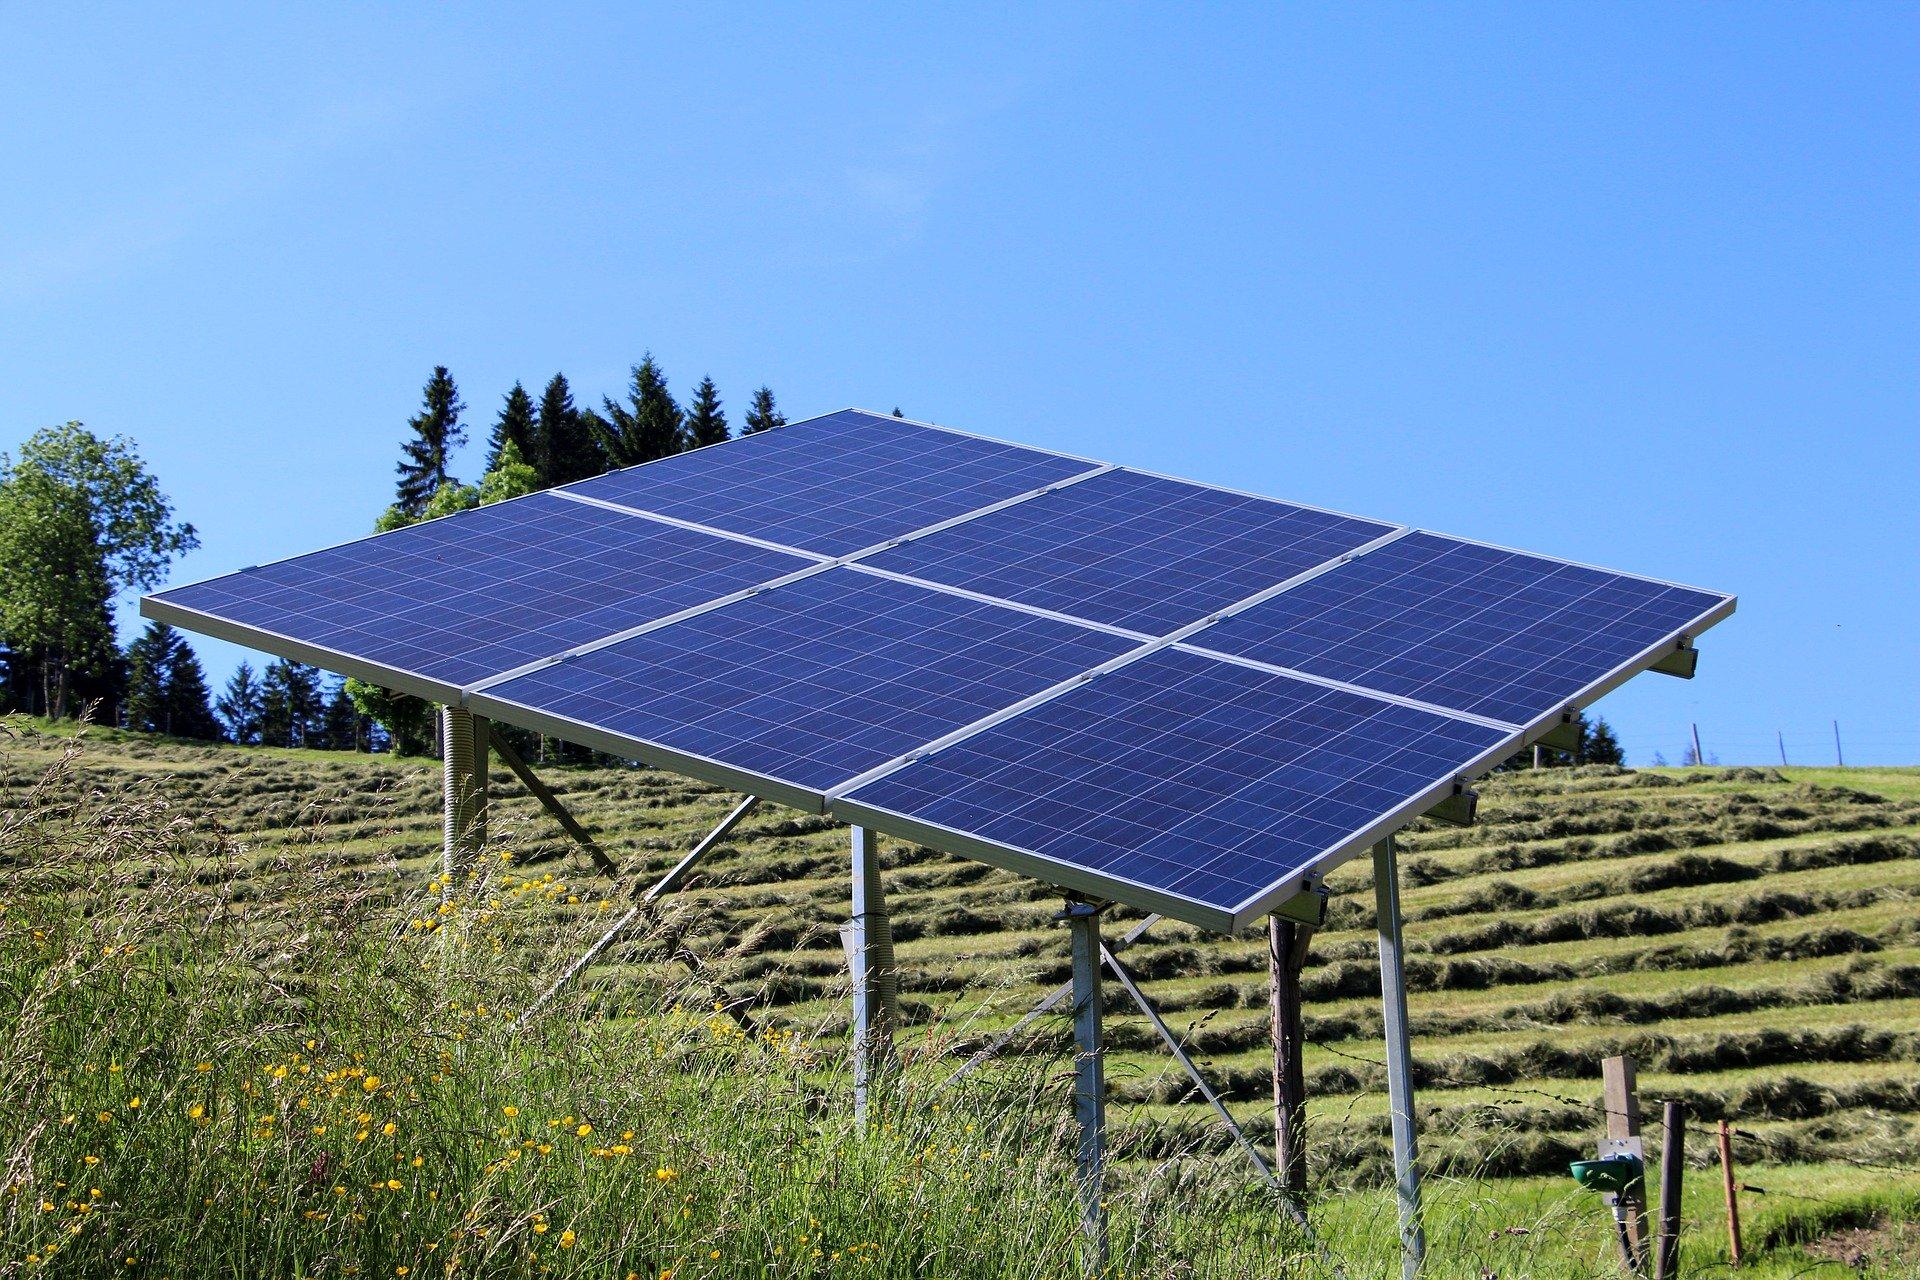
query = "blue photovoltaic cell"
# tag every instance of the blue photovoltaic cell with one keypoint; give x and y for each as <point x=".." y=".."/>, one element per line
<point x="1474" y="628"/>
<point x="489" y="589"/>
<point x="816" y="681"/>
<point x="833" y="485"/>
<point x="1132" y="550"/>
<point x="1186" y="774"/>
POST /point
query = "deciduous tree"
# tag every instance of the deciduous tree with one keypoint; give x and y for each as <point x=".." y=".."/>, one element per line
<point x="80" y="519"/>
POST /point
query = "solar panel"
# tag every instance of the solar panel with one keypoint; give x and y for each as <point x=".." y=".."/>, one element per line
<point x="803" y="685"/>
<point x="1180" y="783"/>
<point x="834" y="484"/>
<point x="1132" y="550"/>
<point x="435" y="606"/>
<point x="1475" y="628"/>
<point x="1180" y="697"/>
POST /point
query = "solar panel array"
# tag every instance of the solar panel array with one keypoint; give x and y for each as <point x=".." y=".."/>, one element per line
<point x="1176" y="696"/>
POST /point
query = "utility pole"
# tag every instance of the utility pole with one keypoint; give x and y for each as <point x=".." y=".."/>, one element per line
<point x="1699" y="756"/>
<point x="1782" y="738"/>
<point x="1839" y="758"/>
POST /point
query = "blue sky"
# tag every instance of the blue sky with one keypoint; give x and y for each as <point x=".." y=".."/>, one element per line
<point x="1633" y="285"/>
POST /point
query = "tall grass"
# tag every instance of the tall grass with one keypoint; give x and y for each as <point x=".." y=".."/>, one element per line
<point x="324" y="1085"/>
<point x="326" y="1082"/>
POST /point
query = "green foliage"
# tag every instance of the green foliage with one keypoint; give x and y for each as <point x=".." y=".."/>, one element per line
<point x="515" y="426"/>
<point x="407" y="721"/>
<point x="510" y="476"/>
<point x="426" y="457"/>
<point x="80" y="518"/>
<point x="706" y="422"/>
<point x="567" y="446"/>
<point x="762" y="414"/>
<point x="648" y="426"/>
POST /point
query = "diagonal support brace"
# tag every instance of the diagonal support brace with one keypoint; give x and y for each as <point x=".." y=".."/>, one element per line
<point x="549" y="801"/>
<point x="643" y="907"/>
<point x="1048" y="1005"/>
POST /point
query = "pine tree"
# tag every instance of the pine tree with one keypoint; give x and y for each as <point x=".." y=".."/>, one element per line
<point x="763" y="415"/>
<point x="342" y="727"/>
<point x="436" y="434"/>
<point x="514" y="426"/>
<point x="289" y="703"/>
<point x="706" y="424"/>
<point x="1601" y="746"/>
<point x="150" y="662"/>
<point x="188" y="712"/>
<point x="241" y="706"/>
<point x="565" y="446"/>
<point x="648" y="426"/>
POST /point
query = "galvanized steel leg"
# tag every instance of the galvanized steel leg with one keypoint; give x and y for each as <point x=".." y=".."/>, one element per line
<point x="876" y="983"/>
<point x="1089" y="1081"/>
<point x="1393" y="999"/>
<point x="463" y="754"/>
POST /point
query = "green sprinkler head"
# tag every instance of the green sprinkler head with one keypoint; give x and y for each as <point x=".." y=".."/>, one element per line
<point x="1614" y="1173"/>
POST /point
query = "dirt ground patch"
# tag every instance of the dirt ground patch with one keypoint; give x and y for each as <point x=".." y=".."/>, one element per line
<point x="1884" y="1243"/>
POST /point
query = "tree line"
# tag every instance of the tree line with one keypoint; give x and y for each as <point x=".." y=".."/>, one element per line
<point x="83" y="519"/>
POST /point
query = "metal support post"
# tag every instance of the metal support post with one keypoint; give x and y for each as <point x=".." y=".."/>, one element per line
<point x="876" y="983"/>
<point x="1089" y="1081"/>
<point x="463" y="754"/>
<point x="1393" y="999"/>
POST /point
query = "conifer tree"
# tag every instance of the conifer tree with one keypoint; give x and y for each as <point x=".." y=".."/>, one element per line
<point x="565" y="446"/>
<point x="1599" y="745"/>
<point x="648" y="426"/>
<point x="342" y="727"/>
<point x="428" y="455"/>
<point x="289" y="703"/>
<point x="706" y="422"/>
<point x="514" y="426"/>
<point x="150" y="661"/>
<point x="188" y="712"/>
<point x="762" y="414"/>
<point x="240" y="706"/>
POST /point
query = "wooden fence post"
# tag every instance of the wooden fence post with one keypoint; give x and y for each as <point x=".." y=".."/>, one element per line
<point x="1673" y="1136"/>
<point x="1623" y="1121"/>
<point x="1733" y="1204"/>
<point x="1286" y="952"/>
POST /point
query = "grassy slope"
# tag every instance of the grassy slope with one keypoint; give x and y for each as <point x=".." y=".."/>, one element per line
<point x="1776" y="984"/>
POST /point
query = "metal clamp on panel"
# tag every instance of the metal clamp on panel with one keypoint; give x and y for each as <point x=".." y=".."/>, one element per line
<point x="1564" y="736"/>
<point x="1457" y="809"/>
<point x="1308" y="907"/>
<point x="1682" y="661"/>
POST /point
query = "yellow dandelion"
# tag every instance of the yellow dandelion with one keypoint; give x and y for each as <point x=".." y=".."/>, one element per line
<point x="370" y="1083"/>
<point x="394" y="1184"/>
<point x="584" y="1130"/>
<point x="664" y="1174"/>
<point x="509" y="1112"/>
<point x="566" y="1239"/>
<point x="133" y="1104"/>
<point x="388" y="1128"/>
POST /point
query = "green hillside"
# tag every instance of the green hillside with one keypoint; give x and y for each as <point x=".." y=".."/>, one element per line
<point x="1750" y="936"/>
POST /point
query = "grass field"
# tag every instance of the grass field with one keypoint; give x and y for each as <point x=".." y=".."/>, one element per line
<point x="1750" y="936"/>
